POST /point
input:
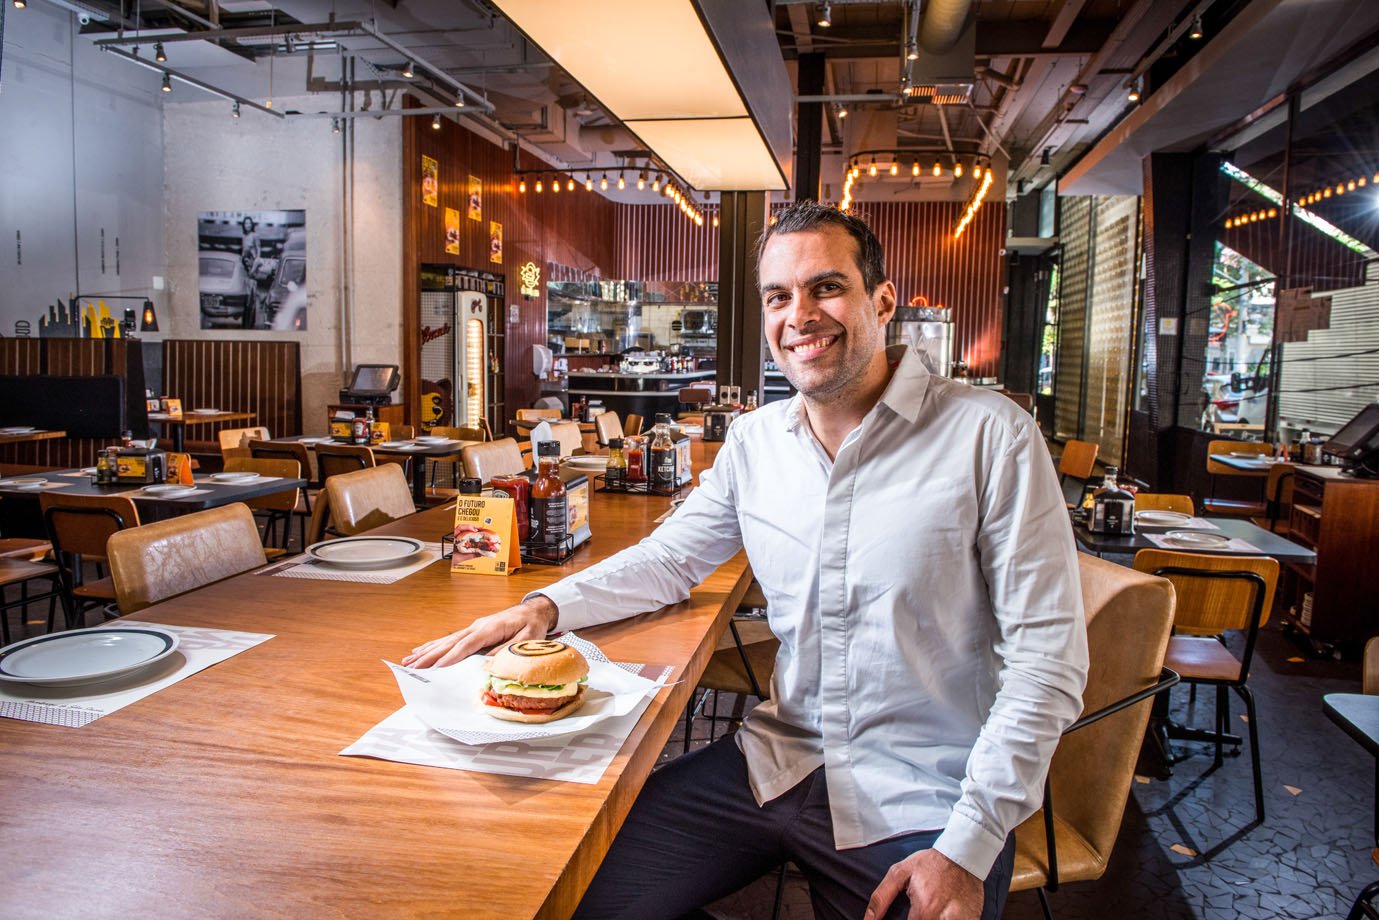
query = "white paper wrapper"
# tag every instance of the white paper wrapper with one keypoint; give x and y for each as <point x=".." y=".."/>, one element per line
<point x="448" y="699"/>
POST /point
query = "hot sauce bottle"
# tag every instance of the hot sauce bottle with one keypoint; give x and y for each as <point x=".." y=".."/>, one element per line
<point x="550" y="510"/>
<point x="615" y="474"/>
<point x="636" y="461"/>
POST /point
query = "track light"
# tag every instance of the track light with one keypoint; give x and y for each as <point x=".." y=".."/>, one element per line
<point x="335" y="126"/>
<point x="167" y="83"/>
<point x="408" y="71"/>
<point x="1132" y="91"/>
<point x="435" y="122"/>
<point x="459" y="102"/>
<point x="825" y="19"/>
<point x="840" y="110"/>
<point x="1196" y="32"/>
<point x="23" y="4"/>
<point x="911" y="50"/>
<point x="234" y="110"/>
<point x="158" y="54"/>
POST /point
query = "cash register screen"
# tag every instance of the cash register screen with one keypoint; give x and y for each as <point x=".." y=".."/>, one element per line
<point x="374" y="379"/>
<point x="1359" y="437"/>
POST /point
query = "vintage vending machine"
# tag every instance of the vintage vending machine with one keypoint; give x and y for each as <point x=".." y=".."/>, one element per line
<point x="459" y="364"/>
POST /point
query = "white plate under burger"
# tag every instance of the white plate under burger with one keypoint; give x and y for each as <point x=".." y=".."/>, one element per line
<point x="1162" y="519"/>
<point x="365" y="552"/>
<point x="84" y="656"/>
<point x="1196" y="539"/>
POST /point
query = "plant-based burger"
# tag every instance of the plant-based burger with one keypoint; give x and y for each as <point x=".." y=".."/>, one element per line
<point x="472" y="541"/>
<point x="535" y="680"/>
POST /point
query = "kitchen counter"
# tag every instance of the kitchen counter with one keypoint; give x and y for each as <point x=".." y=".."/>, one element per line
<point x="640" y="394"/>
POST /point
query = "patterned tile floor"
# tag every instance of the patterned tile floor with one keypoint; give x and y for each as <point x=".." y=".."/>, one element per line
<point x="1188" y="847"/>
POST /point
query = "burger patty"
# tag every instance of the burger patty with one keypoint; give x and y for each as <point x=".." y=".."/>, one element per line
<point x="533" y="703"/>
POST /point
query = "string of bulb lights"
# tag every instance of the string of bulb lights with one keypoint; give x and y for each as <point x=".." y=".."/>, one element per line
<point x="1311" y="198"/>
<point x="886" y="164"/>
<point x="542" y="180"/>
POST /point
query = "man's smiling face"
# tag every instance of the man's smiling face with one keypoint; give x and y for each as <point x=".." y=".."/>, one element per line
<point x="826" y="333"/>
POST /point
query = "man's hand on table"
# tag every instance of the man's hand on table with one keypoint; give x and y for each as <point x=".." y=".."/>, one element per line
<point x="531" y="619"/>
<point x="938" y="889"/>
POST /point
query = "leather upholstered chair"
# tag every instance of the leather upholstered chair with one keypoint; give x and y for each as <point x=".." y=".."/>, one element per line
<point x="161" y="560"/>
<point x="607" y="426"/>
<point x="569" y="436"/>
<point x="366" y="499"/>
<point x="1129" y="618"/>
<point x="632" y="426"/>
<point x="494" y="458"/>
<point x="286" y="450"/>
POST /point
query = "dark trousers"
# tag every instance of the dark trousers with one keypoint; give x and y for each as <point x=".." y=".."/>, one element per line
<point x="696" y="834"/>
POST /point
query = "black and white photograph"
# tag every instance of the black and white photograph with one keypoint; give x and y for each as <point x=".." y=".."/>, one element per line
<point x="252" y="268"/>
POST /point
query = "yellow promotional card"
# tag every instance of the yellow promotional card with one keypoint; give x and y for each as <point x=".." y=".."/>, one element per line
<point x="180" y="469"/>
<point x="486" y="536"/>
<point x="173" y="408"/>
<point x="379" y="432"/>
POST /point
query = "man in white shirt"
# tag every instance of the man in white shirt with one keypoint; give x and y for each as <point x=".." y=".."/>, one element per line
<point x="911" y="540"/>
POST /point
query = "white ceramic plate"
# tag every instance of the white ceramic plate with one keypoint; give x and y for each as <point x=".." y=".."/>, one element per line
<point x="318" y="440"/>
<point x="234" y="477"/>
<point x="84" y="656"/>
<point x="588" y="463"/>
<point x="169" y="490"/>
<point x="1162" y="518"/>
<point x="87" y="471"/>
<point x="1197" y="539"/>
<point x="365" y="552"/>
<point x="206" y="411"/>
<point x="433" y="439"/>
<point x="26" y="484"/>
<point x="1247" y="455"/>
<point x="19" y="429"/>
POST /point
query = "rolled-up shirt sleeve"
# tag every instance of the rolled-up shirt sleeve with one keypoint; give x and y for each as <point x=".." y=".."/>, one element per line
<point x="661" y="569"/>
<point x="1029" y="561"/>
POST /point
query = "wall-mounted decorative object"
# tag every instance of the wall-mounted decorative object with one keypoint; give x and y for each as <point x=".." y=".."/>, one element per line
<point x="452" y="231"/>
<point x="495" y="242"/>
<point x="253" y="269"/>
<point x="530" y="274"/>
<point x="476" y="198"/>
<point x="430" y="182"/>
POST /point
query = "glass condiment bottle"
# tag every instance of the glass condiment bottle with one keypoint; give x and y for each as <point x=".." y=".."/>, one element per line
<point x="103" y="467"/>
<point x="751" y="401"/>
<point x="636" y="460"/>
<point x="471" y="486"/>
<point x="615" y="473"/>
<point x="550" y="509"/>
<point x="662" y="456"/>
<point x="359" y="430"/>
<point x="519" y="487"/>
<point x="1113" y="508"/>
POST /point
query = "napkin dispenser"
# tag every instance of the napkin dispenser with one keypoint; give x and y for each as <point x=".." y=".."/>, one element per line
<point x="140" y="464"/>
<point x="716" y="422"/>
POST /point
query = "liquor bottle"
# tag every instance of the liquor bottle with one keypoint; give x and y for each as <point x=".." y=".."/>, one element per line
<point x="615" y="474"/>
<point x="1113" y="508"/>
<point x="550" y="509"/>
<point x="662" y="456"/>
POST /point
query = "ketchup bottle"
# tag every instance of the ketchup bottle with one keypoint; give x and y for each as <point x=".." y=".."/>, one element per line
<point x="550" y="510"/>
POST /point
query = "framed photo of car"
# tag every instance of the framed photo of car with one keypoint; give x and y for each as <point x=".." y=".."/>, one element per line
<point x="252" y="269"/>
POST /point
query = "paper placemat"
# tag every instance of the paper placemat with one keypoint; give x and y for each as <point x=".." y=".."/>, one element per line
<point x="580" y="757"/>
<point x="73" y="707"/>
<point x="46" y="485"/>
<point x="1236" y="545"/>
<point x="301" y="566"/>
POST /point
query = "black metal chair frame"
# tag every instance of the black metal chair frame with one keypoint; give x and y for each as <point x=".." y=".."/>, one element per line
<point x="52" y="596"/>
<point x="70" y="569"/>
<point x="1167" y="678"/>
<point x="1364" y="904"/>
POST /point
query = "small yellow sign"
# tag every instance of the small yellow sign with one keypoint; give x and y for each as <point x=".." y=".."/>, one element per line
<point x="530" y="274"/>
<point x="486" y="540"/>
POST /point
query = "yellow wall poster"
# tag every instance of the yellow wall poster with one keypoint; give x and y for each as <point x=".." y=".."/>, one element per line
<point x="430" y="182"/>
<point x="476" y="199"/>
<point x="452" y="231"/>
<point x="495" y="242"/>
<point x="486" y="536"/>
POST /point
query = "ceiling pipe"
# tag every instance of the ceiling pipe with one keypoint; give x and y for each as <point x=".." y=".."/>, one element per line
<point x="943" y="24"/>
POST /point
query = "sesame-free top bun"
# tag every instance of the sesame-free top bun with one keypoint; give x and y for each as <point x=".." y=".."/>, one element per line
<point x="538" y="661"/>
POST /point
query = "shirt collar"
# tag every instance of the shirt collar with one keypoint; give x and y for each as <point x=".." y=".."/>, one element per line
<point x="903" y="395"/>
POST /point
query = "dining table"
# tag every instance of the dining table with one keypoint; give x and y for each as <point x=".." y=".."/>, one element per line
<point x="226" y="795"/>
<point x="1265" y="542"/>
<point x="440" y="450"/>
<point x="178" y="424"/>
<point x="16" y="436"/>
<point x="1357" y="714"/>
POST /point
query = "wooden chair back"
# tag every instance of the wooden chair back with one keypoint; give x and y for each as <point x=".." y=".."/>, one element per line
<point x="1164" y="501"/>
<point x="1211" y="606"/>
<point x="536" y="415"/>
<point x="285" y="450"/>
<point x="1078" y="460"/>
<point x="368" y="498"/>
<point x="494" y="458"/>
<point x="1226" y="446"/>
<point x="1278" y="494"/>
<point x="459" y="433"/>
<point x="633" y="425"/>
<point x="232" y="439"/>
<point x="402" y="432"/>
<point x="161" y="560"/>
<point x="335" y="459"/>
<point x="1129" y="619"/>
<point x="607" y="426"/>
<point x="82" y="524"/>
<point x="284" y="500"/>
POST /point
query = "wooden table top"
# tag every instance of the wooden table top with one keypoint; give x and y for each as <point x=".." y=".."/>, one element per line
<point x="31" y="436"/>
<point x="200" y="418"/>
<point x="225" y="795"/>
<point x="210" y="494"/>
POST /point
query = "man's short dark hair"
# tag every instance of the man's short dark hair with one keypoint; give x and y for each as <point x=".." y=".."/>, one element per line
<point x="810" y="215"/>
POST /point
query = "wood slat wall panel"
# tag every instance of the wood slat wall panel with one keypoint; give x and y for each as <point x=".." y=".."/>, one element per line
<point x="259" y="377"/>
<point x="21" y="356"/>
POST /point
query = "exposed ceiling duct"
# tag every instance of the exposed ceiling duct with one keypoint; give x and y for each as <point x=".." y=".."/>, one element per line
<point x="943" y="23"/>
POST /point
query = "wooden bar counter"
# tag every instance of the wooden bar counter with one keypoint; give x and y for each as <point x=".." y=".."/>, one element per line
<point x="224" y="795"/>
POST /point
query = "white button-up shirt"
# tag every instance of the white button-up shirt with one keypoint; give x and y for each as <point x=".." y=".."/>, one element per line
<point x="925" y="591"/>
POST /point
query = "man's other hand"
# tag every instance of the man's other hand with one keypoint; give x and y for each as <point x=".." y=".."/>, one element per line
<point x="938" y="889"/>
<point x="531" y="619"/>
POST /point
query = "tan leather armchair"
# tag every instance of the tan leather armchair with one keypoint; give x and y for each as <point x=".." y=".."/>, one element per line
<point x="161" y="560"/>
<point x="366" y="499"/>
<point x="1129" y="620"/>
<point x="494" y="458"/>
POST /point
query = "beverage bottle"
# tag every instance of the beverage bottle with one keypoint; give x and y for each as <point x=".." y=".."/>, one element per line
<point x="751" y="401"/>
<point x="636" y="460"/>
<point x="662" y="456"/>
<point x="1113" y="508"/>
<point x="103" y="467"/>
<point x="550" y="510"/>
<point x="615" y="474"/>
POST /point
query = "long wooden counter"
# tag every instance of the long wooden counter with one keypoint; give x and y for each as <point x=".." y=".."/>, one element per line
<point x="225" y="795"/>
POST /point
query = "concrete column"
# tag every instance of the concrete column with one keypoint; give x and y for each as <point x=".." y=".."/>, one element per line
<point x="742" y="217"/>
